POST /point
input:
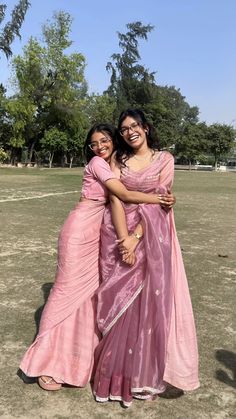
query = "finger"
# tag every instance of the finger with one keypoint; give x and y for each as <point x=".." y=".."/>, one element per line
<point x="125" y="253"/>
<point x="164" y="203"/>
<point x="121" y="247"/>
<point x="120" y="240"/>
<point x="126" y="256"/>
<point x="129" y="261"/>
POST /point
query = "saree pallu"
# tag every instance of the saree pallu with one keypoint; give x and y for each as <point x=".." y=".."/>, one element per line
<point x="64" y="346"/>
<point x="144" y="311"/>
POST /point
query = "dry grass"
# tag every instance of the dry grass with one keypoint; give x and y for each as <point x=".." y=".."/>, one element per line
<point x="205" y="219"/>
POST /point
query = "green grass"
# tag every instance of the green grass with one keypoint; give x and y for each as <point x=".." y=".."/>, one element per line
<point x="205" y="219"/>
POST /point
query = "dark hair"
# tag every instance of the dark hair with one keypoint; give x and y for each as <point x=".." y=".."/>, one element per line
<point x="124" y="151"/>
<point x="108" y="129"/>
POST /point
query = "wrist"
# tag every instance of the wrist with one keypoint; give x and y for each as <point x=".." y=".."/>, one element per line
<point x="137" y="236"/>
<point x="159" y="199"/>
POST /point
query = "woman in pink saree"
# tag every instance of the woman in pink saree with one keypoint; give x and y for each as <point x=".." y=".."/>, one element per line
<point x="144" y="311"/>
<point x="63" y="351"/>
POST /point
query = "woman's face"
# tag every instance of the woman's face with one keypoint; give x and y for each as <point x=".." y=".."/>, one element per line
<point x="102" y="145"/>
<point x="133" y="133"/>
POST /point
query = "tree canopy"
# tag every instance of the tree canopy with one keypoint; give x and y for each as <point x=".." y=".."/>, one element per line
<point x="47" y="117"/>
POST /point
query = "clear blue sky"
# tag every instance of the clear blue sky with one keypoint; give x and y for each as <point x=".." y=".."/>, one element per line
<point x="191" y="47"/>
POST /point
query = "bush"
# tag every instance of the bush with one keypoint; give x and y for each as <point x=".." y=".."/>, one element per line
<point x="4" y="156"/>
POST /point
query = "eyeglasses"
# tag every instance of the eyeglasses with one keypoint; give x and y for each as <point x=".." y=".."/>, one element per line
<point x="125" y="130"/>
<point x="103" y="141"/>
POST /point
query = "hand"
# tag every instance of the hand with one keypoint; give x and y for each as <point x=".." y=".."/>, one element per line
<point x="167" y="200"/>
<point x="130" y="260"/>
<point x="127" y="246"/>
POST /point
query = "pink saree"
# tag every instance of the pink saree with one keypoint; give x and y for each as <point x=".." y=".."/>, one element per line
<point x="145" y="312"/>
<point x="64" y="346"/>
<point x="68" y="335"/>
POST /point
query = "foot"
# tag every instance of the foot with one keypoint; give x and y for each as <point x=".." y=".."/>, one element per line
<point x="48" y="383"/>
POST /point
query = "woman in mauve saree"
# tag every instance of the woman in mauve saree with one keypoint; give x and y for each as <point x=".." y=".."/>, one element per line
<point x="144" y="311"/>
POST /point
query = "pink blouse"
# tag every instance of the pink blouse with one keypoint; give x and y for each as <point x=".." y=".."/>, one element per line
<point x="96" y="173"/>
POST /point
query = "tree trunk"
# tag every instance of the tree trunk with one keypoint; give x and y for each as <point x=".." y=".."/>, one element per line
<point x="51" y="155"/>
<point x="71" y="161"/>
<point x="31" y="150"/>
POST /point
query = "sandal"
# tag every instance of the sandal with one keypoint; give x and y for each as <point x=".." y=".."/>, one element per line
<point x="48" y="383"/>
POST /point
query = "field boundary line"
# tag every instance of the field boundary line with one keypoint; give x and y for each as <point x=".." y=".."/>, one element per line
<point x="37" y="196"/>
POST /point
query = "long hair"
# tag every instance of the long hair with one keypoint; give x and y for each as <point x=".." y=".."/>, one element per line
<point x="106" y="129"/>
<point x="124" y="150"/>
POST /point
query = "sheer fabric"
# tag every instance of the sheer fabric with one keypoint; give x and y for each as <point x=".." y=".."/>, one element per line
<point x="144" y="311"/>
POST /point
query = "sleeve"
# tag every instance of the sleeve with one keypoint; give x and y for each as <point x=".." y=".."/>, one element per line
<point x="167" y="171"/>
<point x="100" y="169"/>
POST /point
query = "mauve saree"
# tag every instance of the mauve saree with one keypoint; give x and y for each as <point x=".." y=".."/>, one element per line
<point x="144" y="311"/>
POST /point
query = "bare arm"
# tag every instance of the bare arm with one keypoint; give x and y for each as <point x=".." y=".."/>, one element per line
<point x="119" y="221"/>
<point x="117" y="188"/>
<point x="128" y="242"/>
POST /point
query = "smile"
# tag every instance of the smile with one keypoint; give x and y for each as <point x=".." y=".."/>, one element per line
<point x="134" y="137"/>
<point x="104" y="150"/>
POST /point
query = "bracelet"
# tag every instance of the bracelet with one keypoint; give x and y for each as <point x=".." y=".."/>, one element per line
<point x="138" y="236"/>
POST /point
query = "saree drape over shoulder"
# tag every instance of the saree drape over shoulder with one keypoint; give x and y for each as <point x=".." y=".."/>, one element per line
<point x="144" y="311"/>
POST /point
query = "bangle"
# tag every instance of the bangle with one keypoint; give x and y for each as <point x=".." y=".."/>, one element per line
<point x="138" y="236"/>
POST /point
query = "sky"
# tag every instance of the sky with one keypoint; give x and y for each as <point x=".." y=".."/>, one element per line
<point x="191" y="47"/>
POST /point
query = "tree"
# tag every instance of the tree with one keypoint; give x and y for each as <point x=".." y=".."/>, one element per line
<point x="20" y="115"/>
<point x="32" y="85"/>
<point x="131" y="83"/>
<point x="12" y="28"/>
<point x="100" y="108"/>
<point x="53" y="140"/>
<point x="169" y="112"/>
<point x="191" y="143"/>
<point x="3" y="101"/>
<point x="221" y="139"/>
<point x="52" y="81"/>
<point x="76" y="127"/>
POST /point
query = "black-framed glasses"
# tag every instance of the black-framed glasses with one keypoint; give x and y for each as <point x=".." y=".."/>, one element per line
<point x="95" y="144"/>
<point x="125" y="130"/>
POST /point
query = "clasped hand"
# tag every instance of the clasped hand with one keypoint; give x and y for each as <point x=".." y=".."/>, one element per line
<point x="167" y="200"/>
<point x="127" y="246"/>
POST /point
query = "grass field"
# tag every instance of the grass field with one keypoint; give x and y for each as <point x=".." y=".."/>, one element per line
<point x="33" y="205"/>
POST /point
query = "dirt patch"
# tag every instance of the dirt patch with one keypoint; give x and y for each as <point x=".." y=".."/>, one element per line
<point x="29" y="230"/>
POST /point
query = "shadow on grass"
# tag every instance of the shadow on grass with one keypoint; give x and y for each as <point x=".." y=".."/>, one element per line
<point x="228" y="359"/>
<point x="46" y="288"/>
<point x="171" y="392"/>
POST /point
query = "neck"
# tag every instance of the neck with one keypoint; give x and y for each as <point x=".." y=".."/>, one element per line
<point x="146" y="155"/>
<point x="142" y="152"/>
